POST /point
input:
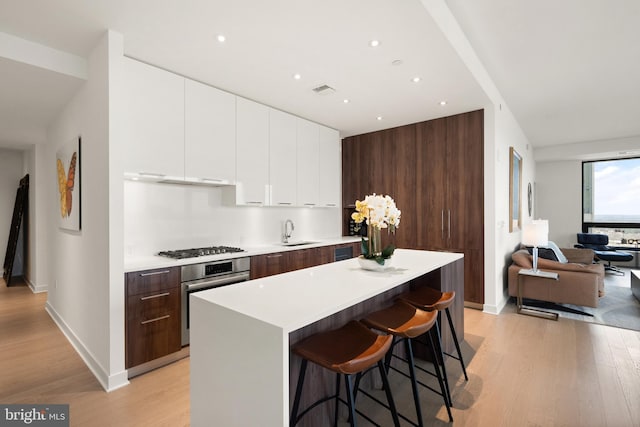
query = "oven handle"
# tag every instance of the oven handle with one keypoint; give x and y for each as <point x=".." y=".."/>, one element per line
<point x="207" y="283"/>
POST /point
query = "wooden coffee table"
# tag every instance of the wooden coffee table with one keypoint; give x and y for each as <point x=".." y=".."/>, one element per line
<point x="635" y="283"/>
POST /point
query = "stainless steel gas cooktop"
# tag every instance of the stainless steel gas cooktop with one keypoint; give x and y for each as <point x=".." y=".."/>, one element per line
<point x="197" y="252"/>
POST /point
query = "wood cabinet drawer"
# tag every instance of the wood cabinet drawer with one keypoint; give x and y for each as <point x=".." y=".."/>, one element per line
<point x="152" y="315"/>
<point x="144" y="307"/>
<point x="152" y="281"/>
<point x="153" y="326"/>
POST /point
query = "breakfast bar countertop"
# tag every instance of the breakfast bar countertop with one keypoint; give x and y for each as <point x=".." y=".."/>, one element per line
<point x="298" y="298"/>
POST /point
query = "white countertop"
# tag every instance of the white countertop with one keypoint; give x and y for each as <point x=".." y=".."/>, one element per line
<point x="154" y="261"/>
<point x="298" y="298"/>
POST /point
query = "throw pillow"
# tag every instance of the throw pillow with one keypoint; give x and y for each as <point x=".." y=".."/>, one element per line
<point x="551" y="252"/>
<point x="558" y="253"/>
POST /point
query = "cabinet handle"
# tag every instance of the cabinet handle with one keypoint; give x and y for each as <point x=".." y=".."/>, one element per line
<point x="152" y="174"/>
<point x="213" y="180"/>
<point x="331" y="205"/>
<point x="254" y="203"/>
<point x="449" y="214"/>
<point x="154" y="273"/>
<point x="166" y="316"/>
<point x="309" y="204"/>
<point x="442" y="224"/>
<point x="285" y="203"/>
<point x="274" y="256"/>
<point x="166" y="294"/>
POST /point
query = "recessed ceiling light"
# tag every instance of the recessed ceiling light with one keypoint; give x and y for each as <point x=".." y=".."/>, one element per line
<point x="379" y="118"/>
<point x="346" y="101"/>
<point x="416" y="79"/>
<point x="221" y="38"/>
<point x="297" y="76"/>
<point x="443" y="103"/>
<point x="374" y="43"/>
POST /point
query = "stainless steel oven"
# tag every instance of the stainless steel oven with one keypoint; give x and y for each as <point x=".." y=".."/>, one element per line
<point x="203" y="276"/>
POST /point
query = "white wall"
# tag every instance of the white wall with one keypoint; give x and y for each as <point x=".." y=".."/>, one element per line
<point x="164" y="217"/>
<point x="507" y="133"/>
<point x="79" y="276"/>
<point x="559" y="182"/>
<point x="38" y="252"/>
<point x="11" y="171"/>
<point x="559" y="199"/>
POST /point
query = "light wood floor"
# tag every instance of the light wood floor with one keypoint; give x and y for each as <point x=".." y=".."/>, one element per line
<point x="523" y="371"/>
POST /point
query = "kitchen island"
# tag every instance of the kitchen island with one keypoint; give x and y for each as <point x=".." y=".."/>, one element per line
<point x="241" y="334"/>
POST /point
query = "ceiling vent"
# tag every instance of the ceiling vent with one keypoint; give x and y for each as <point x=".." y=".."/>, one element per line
<point x="324" y="90"/>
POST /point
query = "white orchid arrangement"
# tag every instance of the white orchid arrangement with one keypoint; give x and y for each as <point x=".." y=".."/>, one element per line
<point x="378" y="212"/>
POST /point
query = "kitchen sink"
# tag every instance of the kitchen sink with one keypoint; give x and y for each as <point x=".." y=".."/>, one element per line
<point x="299" y="243"/>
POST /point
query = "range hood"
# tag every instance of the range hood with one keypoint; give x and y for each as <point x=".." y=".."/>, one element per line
<point x="180" y="180"/>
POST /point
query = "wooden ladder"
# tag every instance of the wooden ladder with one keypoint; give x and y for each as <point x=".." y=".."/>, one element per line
<point x="19" y="209"/>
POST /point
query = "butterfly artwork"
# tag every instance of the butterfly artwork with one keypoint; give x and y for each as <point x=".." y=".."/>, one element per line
<point x="67" y="166"/>
<point x="65" y="185"/>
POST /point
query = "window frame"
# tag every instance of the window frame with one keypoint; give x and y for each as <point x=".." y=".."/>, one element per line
<point x="587" y="225"/>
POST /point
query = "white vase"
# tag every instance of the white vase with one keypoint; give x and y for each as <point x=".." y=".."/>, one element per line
<point x="372" y="264"/>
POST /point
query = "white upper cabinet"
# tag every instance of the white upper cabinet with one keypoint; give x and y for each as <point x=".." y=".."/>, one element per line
<point x="330" y="171"/>
<point x="282" y="158"/>
<point x="308" y="167"/>
<point x="154" y="121"/>
<point x="210" y="134"/>
<point x="252" y="141"/>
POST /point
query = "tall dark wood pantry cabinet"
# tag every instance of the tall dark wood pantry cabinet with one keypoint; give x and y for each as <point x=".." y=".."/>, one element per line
<point x="434" y="171"/>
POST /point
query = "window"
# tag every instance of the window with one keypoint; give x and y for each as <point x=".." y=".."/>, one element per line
<point x="611" y="198"/>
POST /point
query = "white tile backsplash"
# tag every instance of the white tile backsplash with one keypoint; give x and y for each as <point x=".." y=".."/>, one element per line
<point x="168" y="216"/>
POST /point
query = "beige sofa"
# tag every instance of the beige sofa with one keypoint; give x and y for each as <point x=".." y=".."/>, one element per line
<point x="580" y="281"/>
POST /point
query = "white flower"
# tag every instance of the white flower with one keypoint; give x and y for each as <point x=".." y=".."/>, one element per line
<point x="379" y="211"/>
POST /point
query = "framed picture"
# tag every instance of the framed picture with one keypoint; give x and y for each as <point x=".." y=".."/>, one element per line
<point x="68" y="170"/>
<point x="515" y="186"/>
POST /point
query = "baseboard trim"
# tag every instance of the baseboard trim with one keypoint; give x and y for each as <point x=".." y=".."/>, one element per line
<point x="36" y="289"/>
<point x="474" y="305"/>
<point x="108" y="382"/>
<point x="158" y="363"/>
<point x="495" y="309"/>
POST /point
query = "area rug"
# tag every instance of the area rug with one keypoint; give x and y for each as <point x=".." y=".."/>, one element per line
<point x="618" y="307"/>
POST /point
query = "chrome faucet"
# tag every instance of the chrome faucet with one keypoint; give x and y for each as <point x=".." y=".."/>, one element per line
<point x="287" y="233"/>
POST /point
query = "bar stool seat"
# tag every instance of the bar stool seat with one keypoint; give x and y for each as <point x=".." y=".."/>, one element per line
<point x="406" y="322"/>
<point x="348" y="350"/>
<point x="429" y="299"/>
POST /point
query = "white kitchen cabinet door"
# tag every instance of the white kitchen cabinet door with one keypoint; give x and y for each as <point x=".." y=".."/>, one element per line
<point x="252" y="148"/>
<point x="308" y="166"/>
<point x="154" y="120"/>
<point x="282" y="158"/>
<point x="210" y="133"/>
<point x="330" y="167"/>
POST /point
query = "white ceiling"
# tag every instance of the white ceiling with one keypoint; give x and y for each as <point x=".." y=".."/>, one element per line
<point x="568" y="69"/>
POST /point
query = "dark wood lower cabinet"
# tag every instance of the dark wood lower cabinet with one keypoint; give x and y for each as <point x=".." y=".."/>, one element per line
<point x="152" y="315"/>
<point x="282" y="262"/>
<point x="268" y="265"/>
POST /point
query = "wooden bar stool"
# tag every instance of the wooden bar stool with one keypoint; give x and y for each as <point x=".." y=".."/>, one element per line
<point x="405" y="322"/>
<point x="346" y="351"/>
<point x="429" y="299"/>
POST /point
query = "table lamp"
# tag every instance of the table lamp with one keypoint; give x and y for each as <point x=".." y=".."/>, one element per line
<point x="535" y="234"/>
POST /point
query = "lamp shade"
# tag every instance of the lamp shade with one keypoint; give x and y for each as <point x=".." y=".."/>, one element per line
<point x="536" y="233"/>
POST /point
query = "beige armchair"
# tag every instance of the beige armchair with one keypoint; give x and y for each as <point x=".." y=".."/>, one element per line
<point x="580" y="282"/>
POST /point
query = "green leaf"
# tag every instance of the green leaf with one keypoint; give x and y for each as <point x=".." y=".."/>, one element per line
<point x="388" y="251"/>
